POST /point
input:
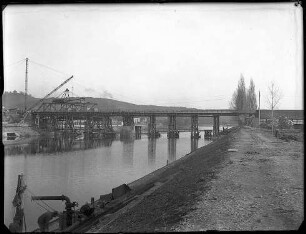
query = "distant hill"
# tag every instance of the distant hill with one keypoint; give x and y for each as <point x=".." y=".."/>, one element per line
<point x="110" y="104"/>
<point x="11" y="100"/>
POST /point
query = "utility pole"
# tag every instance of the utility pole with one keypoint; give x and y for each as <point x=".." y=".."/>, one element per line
<point x="272" y="115"/>
<point x="26" y="86"/>
<point x="259" y="111"/>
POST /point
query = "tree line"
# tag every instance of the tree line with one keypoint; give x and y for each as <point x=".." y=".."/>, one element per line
<point x="244" y="99"/>
<point x="16" y="92"/>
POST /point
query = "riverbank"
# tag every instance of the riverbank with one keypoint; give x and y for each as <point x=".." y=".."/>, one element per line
<point x="259" y="187"/>
<point x="23" y="133"/>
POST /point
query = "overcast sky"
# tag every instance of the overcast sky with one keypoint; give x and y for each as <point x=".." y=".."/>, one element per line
<point x="162" y="54"/>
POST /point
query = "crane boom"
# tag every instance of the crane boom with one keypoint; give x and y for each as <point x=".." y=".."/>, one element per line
<point x="41" y="100"/>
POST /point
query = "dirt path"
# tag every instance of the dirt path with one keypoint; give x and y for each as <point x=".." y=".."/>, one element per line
<point x="259" y="187"/>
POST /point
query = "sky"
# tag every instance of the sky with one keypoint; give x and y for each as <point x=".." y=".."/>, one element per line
<point x="190" y="55"/>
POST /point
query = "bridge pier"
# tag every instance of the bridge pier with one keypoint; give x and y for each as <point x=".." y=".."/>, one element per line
<point x="152" y="133"/>
<point x="195" y="134"/>
<point x="138" y="132"/>
<point x="65" y="122"/>
<point x="107" y="124"/>
<point x="69" y="124"/>
<point x="100" y="124"/>
<point x="88" y="133"/>
<point x="216" y="125"/>
<point x="53" y="123"/>
<point x="172" y="131"/>
<point x="127" y="130"/>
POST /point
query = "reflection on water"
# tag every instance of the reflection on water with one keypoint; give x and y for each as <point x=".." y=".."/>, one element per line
<point x="128" y="151"/>
<point x="194" y="144"/>
<point x="151" y="151"/>
<point x="56" y="144"/>
<point x="171" y="149"/>
<point x="81" y="169"/>
<point x="64" y="144"/>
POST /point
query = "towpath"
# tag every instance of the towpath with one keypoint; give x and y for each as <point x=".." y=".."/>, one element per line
<point x="258" y="187"/>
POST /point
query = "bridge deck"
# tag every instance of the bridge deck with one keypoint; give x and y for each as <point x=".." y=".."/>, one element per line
<point x="206" y="113"/>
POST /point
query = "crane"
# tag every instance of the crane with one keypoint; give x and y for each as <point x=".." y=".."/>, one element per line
<point x="41" y="100"/>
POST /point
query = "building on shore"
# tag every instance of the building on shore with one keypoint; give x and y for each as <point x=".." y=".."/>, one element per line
<point x="296" y="116"/>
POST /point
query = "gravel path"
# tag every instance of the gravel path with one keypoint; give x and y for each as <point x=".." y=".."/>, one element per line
<point x="259" y="187"/>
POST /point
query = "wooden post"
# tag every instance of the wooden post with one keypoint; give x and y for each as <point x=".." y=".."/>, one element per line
<point x="214" y="126"/>
<point x="217" y="125"/>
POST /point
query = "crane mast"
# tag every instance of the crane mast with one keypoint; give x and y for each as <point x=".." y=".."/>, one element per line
<point x="41" y="100"/>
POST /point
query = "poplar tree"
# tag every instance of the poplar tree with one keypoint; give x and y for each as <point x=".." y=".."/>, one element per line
<point x="251" y="97"/>
<point x="239" y="101"/>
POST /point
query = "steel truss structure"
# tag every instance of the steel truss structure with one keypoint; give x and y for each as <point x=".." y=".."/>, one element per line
<point x="67" y="122"/>
<point x="98" y="121"/>
<point x="67" y="104"/>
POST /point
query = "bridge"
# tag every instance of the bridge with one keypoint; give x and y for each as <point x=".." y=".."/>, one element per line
<point x="91" y="121"/>
<point x="75" y="114"/>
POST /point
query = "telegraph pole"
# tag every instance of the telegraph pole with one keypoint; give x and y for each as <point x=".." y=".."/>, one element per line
<point x="26" y="86"/>
<point x="259" y="111"/>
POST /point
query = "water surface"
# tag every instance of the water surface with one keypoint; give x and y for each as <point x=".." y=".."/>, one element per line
<point x="83" y="169"/>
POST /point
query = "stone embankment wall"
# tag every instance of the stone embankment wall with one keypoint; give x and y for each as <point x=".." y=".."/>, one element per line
<point x="21" y="131"/>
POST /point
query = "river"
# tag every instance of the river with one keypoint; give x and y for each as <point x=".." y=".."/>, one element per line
<point x="83" y="169"/>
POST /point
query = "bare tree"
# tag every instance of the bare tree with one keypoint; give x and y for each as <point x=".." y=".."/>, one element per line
<point x="273" y="98"/>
